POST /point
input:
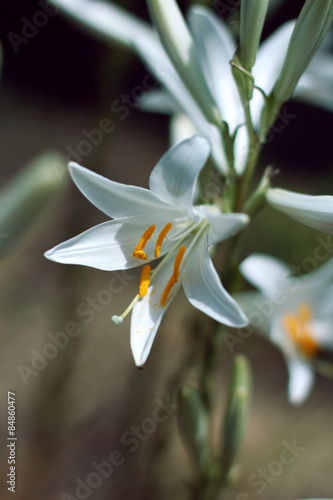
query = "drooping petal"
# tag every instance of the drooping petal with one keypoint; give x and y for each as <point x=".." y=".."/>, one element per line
<point x="223" y="226"/>
<point x="314" y="211"/>
<point x="204" y="290"/>
<point x="148" y="311"/>
<point x="266" y="273"/>
<point x="116" y="199"/>
<point x="216" y="48"/>
<point x="110" y="245"/>
<point x="301" y="379"/>
<point x="107" y="20"/>
<point x="174" y="177"/>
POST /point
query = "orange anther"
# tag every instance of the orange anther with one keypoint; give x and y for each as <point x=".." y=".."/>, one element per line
<point x="138" y="251"/>
<point x="144" y="280"/>
<point x="160" y="239"/>
<point x="296" y="325"/>
<point x="175" y="275"/>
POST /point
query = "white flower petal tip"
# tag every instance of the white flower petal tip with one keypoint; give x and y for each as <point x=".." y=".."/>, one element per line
<point x="301" y="380"/>
<point x="313" y="211"/>
<point x="117" y="320"/>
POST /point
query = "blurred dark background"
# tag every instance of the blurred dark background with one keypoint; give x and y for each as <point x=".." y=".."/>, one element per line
<point x="76" y="409"/>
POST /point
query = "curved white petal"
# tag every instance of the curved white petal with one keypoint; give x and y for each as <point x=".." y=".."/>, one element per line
<point x="109" y="246"/>
<point x="107" y="20"/>
<point x="174" y="177"/>
<point x="223" y="226"/>
<point x="203" y="288"/>
<point x="216" y="47"/>
<point x="301" y="379"/>
<point x="270" y="57"/>
<point x="322" y="333"/>
<point x="241" y="149"/>
<point x="148" y="311"/>
<point x="116" y="199"/>
<point x="318" y="283"/>
<point x="314" y="211"/>
<point x="266" y="273"/>
<point x="268" y="65"/>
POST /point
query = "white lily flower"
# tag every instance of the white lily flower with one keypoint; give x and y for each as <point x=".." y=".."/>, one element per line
<point x="313" y="211"/>
<point x="214" y="47"/>
<point x="300" y="313"/>
<point x="158" y="222"/>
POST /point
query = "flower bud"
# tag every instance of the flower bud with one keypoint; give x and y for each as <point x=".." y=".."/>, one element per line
<point x="27" y="197"/>
<point x="252" y="17"/>
<point x="193" y="421"/>
<point x="236" y="413"/>
<point x="310" y="29"/>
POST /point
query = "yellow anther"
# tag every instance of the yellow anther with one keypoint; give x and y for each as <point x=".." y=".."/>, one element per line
<point x="138" y="251"/>
<point x="144" y="280"/>
<point x="160" y="239"/>
<point x="296" y="325"/>
<point x="175" y="275"/>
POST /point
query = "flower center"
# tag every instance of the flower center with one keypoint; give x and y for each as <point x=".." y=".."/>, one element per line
<point x="145" y="277"/>
<point x="298" y="328"/>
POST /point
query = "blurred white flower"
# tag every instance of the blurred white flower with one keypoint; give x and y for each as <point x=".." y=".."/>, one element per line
<point x="213" y="46"/>
<point x="158" y="222"/>
<point x="314" y="211"/>
<point x="299" y="311"/>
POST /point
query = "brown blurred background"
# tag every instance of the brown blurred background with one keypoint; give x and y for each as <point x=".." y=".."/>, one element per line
<point x="74" y="411"/>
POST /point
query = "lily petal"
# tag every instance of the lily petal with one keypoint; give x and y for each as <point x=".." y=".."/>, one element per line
<point x="267" y="67"/>
<point x="160" y="66"/>
<point x="223" y="226"/>
<point x="148" y="311"/>
<point x="116" y="199"/>
<point x="216" y="48"/>
<point x="107" y="20"/>
<point x="174" y="177"/>
<point x="301" y="379"/>
<point x="109" y="246"/>
<point x="203" y="289"/>
<point x="265" y="273"/>
<point x="314" y="211"/>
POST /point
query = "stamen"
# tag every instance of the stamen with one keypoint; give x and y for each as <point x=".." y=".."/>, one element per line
<point x="138" y="251"/>
<point x="143" y="289"/>
<point x="119" y="319"/>
<point x="175" y="275"/>
<point x="296" y="325"/>
<point x="160" y="239"/>
<point x="144" y="281"/>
